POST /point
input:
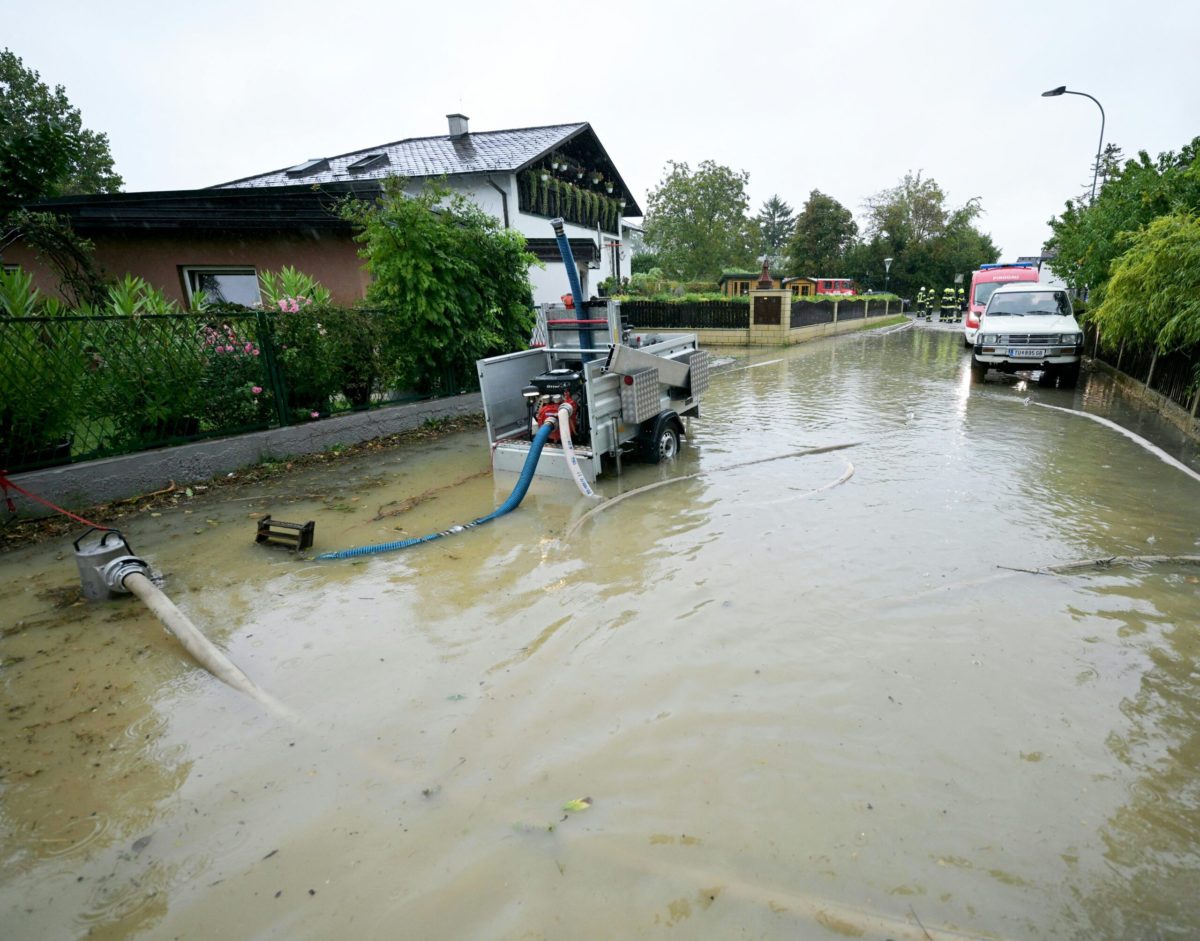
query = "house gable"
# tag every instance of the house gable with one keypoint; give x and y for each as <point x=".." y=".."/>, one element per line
<point x="468" y="153"/>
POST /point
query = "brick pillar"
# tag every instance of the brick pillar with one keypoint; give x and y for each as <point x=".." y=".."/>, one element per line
<point x="770" y="316"/>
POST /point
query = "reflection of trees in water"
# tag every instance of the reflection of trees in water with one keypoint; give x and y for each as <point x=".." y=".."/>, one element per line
<point x="85" y="769"/>
<point x="1152" y="842"/>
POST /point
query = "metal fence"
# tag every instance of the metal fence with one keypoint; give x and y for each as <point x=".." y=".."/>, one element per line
<point x="73" y="388"/>
<point x="1175" y="375"/>
<point x="689" y="315"/>
<point x="809" y="313"/>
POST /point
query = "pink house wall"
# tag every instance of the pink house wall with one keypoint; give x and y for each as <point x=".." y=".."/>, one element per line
<point x="332" y="258"/>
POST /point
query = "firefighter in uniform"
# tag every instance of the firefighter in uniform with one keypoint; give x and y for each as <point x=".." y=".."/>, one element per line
<point x="921" y="302"/>
<point x="962" y="305"/>
<point x="928" y="304"/>
<point x="946" y="314"/>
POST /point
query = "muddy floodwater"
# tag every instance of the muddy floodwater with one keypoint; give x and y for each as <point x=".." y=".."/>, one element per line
<point x="801" y="698"/>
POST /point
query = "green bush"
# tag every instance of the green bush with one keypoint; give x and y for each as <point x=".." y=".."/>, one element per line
<point x="456" y="283"/>
<point x="39" y="372"/>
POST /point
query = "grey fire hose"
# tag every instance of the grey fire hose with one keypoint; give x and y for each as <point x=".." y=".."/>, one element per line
<point x="200" y="647"/>
<point x="108" y="567"/>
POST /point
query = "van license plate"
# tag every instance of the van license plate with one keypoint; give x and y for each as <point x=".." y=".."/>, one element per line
<point x="1026" y="353"/>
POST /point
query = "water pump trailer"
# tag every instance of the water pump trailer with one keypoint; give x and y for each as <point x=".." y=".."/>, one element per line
<point x="624" y="393"/>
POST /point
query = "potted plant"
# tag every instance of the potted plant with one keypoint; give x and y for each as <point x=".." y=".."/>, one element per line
<point x="608" y="187"/>
<point x="597" y="177"/>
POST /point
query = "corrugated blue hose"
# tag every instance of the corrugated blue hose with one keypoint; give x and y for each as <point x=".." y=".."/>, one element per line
<point x="513" y="501"/>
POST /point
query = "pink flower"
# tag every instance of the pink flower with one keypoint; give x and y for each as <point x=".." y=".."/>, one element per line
<point x="228" y="348"/>
<point x="255" y="352"/>
<point x="314" y="415"/>
<point x="249" y="346"/>
<point x="283" y="304"/>
<point x="256" y="389"/>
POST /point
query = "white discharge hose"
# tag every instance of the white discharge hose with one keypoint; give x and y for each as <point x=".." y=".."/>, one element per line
<point x="195" y="643"/>
<point x="564" y="434"/>
<point x="1137" y="439"/>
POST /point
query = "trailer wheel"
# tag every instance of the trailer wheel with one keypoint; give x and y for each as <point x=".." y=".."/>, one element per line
<point x="663" y="442"/>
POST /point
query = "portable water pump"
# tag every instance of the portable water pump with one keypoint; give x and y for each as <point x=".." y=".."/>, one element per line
<point x="547" y="393"/>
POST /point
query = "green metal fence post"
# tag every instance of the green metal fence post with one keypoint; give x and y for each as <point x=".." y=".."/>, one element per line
<point x="275" y="378"/>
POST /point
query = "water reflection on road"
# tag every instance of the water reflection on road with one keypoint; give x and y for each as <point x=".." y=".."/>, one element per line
<point x="789" y="709"/>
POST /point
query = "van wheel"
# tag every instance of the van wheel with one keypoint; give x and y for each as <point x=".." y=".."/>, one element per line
<point x="1048" y="377"/>
<point x="978" y="369"/>
<point x="1069" y="376"/>
<point x="967" y="343"/>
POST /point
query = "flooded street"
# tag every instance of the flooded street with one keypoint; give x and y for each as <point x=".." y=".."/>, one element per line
<point x="801" y="698"/>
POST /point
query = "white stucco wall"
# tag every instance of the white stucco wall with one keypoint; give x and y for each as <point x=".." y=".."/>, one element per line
<point x="550" y="283"/>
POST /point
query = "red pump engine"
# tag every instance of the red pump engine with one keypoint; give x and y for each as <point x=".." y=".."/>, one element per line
<point x="550" y="410"/>
<point x="547" y="393"/>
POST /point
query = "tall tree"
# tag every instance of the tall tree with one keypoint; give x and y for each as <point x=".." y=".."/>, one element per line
<point x="697" y="223"/>
<point x="824" y="231"/>
<point x="914" y="210"/>
<point x="928" y="241"/>
<point x="1088" y="238"/>
<point x="44" y="148"/>
<point x="776" y="222"/>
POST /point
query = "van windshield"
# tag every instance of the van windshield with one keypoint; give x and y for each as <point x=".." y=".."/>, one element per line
<point x="984" y="291"/>
<point x="1020" y="303"/>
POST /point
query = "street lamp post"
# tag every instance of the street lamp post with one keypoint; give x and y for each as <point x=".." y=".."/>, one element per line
<point x="1062" y="90"/>
<point x="887" y="270"/>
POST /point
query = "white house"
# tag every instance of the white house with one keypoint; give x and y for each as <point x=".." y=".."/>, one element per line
<point x="523" y="177"/>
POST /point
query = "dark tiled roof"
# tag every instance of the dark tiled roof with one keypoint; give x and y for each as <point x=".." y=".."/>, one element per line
<point x="477" y="152"/>
<point x="295" y="208"/>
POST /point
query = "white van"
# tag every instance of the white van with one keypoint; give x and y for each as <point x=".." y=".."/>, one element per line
<point x="1029" y="327"/>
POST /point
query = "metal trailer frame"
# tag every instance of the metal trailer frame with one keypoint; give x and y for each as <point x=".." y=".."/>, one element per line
<point x="666" y="374"/>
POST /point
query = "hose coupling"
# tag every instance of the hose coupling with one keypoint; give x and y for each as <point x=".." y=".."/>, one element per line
<point x="119" y="569"/>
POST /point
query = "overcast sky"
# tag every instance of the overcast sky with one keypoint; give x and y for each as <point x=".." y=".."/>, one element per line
<point x="842" y="97"/>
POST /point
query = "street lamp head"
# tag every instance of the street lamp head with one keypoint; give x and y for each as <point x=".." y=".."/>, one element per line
<point x="1054" y="92"/>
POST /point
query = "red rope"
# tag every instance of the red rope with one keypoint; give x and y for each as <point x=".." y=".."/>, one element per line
<point x="12" y="507"/>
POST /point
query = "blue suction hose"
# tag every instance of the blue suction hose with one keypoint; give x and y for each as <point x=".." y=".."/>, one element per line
<point x="513" y="501"/>
<point x="568" y="260"/>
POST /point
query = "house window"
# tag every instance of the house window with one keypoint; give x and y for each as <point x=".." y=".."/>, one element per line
<point x="228" y="285"/>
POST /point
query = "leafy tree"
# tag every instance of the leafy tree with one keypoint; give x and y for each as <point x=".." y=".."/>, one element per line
<point x="44" y="148"/>
<point x="824" y="231"/>
<point x="81" y="280"/>
<point x="1153" y="296"/>
<point x="913" y="211"/>
<point x="45" y="151"/>
<point x="643" y="262"/>
<point x="457" y="282"/>
<point x="1089" y="238"/>
<point x="697" y="223"/>
<point x="776" y="222"/>
<point x="929" y="242"/>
